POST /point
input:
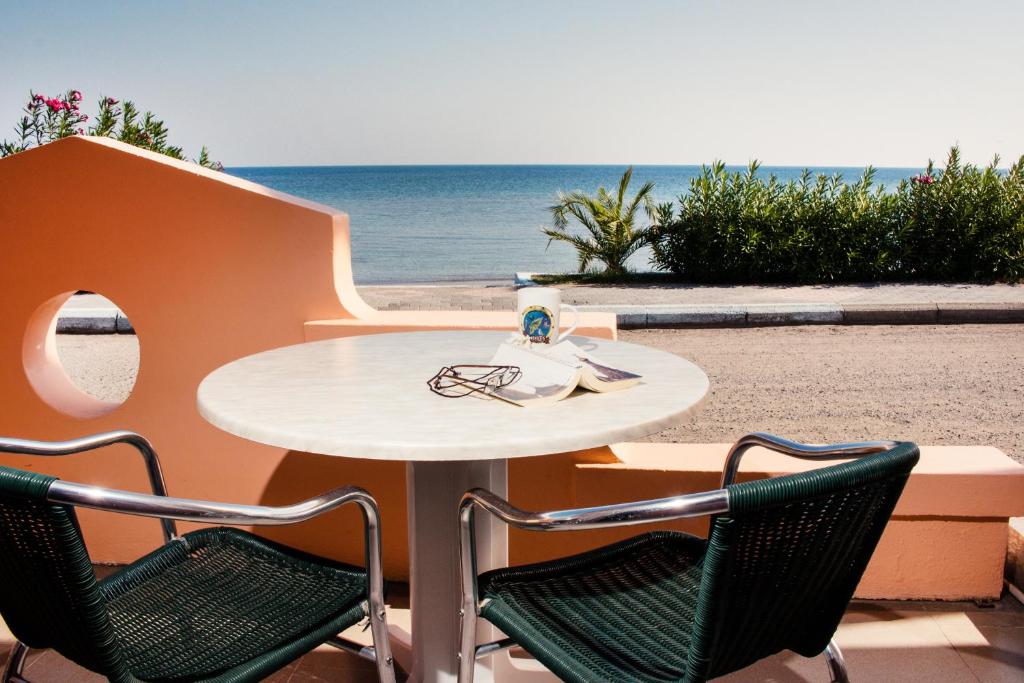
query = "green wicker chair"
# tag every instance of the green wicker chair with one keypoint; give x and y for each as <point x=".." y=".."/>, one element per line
<point x="779" y="567"/>
<point x="218" y="604"/>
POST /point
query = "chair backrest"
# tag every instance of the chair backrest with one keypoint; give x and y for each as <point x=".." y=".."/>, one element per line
<point x="49" y="596"/>
<point x="782" y="565"/>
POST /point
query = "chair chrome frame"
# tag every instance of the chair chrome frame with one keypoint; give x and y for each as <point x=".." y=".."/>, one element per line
<point x="167" y="509"/>
<point x="622" y="514"/>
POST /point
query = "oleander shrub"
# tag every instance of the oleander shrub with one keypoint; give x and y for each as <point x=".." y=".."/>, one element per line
<point x="958" y="223"/>
<point x="45" y="119"/>
<point x="963" y="222"/>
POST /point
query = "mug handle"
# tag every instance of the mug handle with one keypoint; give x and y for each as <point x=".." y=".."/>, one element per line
<point x="575" y="322"/>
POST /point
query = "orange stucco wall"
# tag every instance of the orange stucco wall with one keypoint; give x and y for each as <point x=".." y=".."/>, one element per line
<point x="947" y="539"/>
<point x="208" y="268"/>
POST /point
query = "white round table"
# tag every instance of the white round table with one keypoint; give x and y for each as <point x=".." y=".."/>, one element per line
<point x="367" y="397"/>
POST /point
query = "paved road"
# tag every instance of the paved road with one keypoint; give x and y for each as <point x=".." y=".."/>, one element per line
<point x="946" y="384"/>
<point x="500" y="296"/>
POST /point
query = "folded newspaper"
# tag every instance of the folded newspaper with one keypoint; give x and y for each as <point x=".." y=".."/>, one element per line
<point x="550" y="373"/>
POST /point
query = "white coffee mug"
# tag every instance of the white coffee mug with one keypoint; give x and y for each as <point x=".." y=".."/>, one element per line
<point x="538" y="315"/>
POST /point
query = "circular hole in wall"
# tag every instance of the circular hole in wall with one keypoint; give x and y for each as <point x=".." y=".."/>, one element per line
<point x="81" y="354"/>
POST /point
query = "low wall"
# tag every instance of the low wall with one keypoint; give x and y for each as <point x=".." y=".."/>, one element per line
<point x="947" y="539"/>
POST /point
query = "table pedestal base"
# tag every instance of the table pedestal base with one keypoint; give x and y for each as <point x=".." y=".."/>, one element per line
<point x="434" y="490"/>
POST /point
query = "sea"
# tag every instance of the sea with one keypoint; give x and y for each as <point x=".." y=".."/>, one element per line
<point x="418" y="224"/>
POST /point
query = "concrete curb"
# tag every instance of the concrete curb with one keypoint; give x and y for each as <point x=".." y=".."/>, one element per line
<point x="525" y="280"/>
<point x="764" y="315"/>
<point x="654" y="316"/>
<point x="94" y="321"/>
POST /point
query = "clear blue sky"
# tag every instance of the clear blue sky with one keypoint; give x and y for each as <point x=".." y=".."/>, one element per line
<point x="669" y="82"/>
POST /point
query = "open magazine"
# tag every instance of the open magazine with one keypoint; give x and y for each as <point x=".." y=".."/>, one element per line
<point x="550" y="373"/>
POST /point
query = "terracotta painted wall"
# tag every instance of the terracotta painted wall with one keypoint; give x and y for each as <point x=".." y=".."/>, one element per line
<point x="208" y="268"/>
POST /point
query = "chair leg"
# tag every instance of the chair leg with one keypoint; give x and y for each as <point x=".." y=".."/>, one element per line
<point x="381" y="643"/>
<point x="467" y="640"/>
<point x="836" y="664"/>
<point x="15" y="662"/>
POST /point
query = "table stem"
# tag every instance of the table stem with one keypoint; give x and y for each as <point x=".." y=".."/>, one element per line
<point x="434" y="490"/>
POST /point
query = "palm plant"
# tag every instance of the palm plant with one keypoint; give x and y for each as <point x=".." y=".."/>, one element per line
<point x="611" y="235"/>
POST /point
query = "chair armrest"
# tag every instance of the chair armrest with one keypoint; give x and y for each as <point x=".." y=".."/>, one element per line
<point x="188" y="509"/>
<point x="89" y="443"/>
<point x="797" y="450"/>
<point x="619" y="514"/>
<point x="165" y="507"/>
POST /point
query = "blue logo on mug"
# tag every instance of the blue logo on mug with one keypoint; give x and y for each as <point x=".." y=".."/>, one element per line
<point x="537" y="324"/>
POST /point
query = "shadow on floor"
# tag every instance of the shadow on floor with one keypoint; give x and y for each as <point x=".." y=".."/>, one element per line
<point x="900" y="642"/>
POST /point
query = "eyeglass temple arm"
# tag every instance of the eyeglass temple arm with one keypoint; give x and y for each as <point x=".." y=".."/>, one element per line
<point x="89" y="443"/>
<point x="797" y="450"/>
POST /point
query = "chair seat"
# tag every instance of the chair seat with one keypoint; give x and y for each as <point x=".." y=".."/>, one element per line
<point x="619" y="613"/>
<point x="222" y="604"/>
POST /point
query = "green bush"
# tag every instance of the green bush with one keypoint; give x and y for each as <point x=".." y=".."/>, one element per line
<point x="968" y="224"/>
<point x="960" y="223"/>
<point x="45" y="119"/>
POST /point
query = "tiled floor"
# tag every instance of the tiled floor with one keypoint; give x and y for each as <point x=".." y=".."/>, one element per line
<point x="901" y="642"/>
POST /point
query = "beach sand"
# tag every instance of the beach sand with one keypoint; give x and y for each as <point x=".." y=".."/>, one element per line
<point x="944" y="384"/>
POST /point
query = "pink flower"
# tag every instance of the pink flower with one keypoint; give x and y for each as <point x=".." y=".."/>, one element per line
<point x="111" y="101"/>
<point x="76" y="96"/>
<point x="54" y="104"/>
<point x="83" y="117"/>
<point x="39" y="97"/>
<point x="81" y="131"/>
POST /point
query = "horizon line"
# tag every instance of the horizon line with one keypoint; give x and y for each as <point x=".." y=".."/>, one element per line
<point x="582" y="165"/>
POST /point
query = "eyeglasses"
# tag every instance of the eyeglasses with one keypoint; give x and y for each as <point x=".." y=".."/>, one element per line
<point x="456" y="381"/>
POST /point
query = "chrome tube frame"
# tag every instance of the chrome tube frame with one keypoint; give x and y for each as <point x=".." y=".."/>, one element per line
<point x="495" y="646"/>
<point x="836" y="663"/>
<point x="364" y="651"/>
<point x="187" y="509"/>
<point x="622" y="514"/>
<point x="16" y="663"/>
<point x="797" y="450"/>
<point x="167" y="509"/>
<point x="89" y="443"/>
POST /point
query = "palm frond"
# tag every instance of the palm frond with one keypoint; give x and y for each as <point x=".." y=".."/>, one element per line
<point x="624" y="185"/>
<point x="643" y="197"/>
<point x="610" y="235"/>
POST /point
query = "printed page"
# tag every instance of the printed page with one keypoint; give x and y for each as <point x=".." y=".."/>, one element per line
<point x="544" y="380"/>
<point x="596" y="375"/>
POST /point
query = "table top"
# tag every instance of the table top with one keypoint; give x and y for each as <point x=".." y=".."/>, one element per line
<point x="367" y="397"/>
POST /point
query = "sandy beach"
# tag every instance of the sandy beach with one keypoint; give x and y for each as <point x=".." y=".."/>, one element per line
<point x="941" y="384"/>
